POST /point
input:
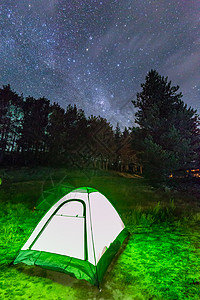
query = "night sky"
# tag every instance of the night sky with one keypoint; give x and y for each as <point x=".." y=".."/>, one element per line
<point x="97" y="53"/>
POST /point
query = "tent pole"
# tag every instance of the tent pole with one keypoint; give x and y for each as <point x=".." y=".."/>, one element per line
<point x="93" y="242"/>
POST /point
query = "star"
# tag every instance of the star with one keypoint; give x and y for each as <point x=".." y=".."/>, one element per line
<point x="85" y="51"/>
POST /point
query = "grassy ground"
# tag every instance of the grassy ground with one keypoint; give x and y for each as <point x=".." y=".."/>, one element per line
<point x="161" y="259"/>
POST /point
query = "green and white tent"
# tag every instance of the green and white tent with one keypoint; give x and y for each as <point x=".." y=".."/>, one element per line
<point x="79" y="235"/>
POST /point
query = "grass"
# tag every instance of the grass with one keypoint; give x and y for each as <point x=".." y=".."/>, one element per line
<point x="160" y="260"/>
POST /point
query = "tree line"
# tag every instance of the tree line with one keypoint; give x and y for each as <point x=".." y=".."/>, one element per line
<point x="165" y="137"/>
<point x="34" y="131"/>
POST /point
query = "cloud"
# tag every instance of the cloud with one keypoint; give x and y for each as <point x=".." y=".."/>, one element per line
<point x="183" y="70"/>
<point x="182" y="65"/>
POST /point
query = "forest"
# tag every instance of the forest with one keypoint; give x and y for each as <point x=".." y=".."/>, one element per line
<point x="34" y="132"/>
<point x="163" y="140"/>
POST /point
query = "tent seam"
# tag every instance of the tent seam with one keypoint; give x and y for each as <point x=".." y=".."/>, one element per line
<point x="93" y="240"/>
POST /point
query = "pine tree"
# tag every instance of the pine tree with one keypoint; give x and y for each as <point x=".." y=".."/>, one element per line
<point x="167" y="137"/>
<point x="55" y="131"/>
<point x="35" y="121"/>
<point x="10" y="119"/>
<point x="118" y="136"/>
<point x="75" y="128"/>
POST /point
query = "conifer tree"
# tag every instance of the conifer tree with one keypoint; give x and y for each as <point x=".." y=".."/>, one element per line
<point x="10" y="119"/>
<point x="167" y="137"/>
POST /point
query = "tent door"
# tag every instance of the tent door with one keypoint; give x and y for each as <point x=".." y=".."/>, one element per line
<point x="65" y="231"/>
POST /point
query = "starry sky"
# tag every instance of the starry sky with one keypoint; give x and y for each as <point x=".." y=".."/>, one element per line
<point x="96" y="53"/>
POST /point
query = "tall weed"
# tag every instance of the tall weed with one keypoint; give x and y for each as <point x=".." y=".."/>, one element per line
<point x="152" y="215"/>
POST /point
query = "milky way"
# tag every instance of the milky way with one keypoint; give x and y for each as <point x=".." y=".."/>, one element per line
<point x="97" y="53"/>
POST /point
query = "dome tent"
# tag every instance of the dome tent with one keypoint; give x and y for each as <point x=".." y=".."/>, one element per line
<point x="79" y="235"/>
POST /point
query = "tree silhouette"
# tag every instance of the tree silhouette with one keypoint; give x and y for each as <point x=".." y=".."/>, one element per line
<point x="101" y="136"/>
<point x="118" y="135"/>
<point x="33" y="134"/>
<point x="75" y="125"/>
<point x="10" y="119"/>
<point x="168" y="135"/>
<point x="55" y="132"/>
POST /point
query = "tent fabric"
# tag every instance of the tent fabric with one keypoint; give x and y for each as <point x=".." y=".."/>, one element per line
<point x="79" y="235"/>
<point x="80" y="269"/>
<point x="51" y="196"/>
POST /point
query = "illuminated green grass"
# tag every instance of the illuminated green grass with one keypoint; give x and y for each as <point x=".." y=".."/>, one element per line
<point x="160" y="261"/>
